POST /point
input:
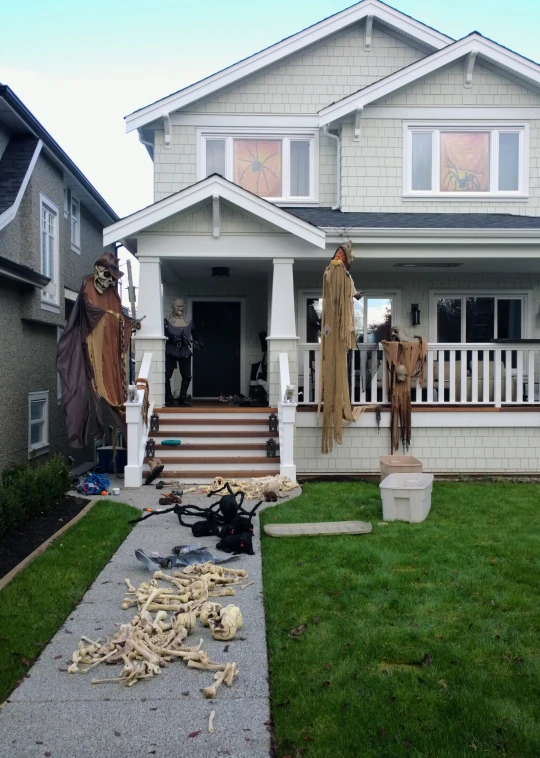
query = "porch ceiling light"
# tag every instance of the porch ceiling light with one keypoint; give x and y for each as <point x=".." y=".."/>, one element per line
<point x="427" y="264"/>
<point x="220" y="272"/>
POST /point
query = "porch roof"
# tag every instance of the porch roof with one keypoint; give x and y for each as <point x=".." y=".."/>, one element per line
<point x="329" y="219"/>
<point x="214" y="188"/>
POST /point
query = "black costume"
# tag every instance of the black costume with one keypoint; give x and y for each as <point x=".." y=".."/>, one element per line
<point x="178" y="350"/>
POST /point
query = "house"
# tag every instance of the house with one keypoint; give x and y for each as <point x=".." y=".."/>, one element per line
<point x="425" y="152"/>
<point x="51" y="230"/>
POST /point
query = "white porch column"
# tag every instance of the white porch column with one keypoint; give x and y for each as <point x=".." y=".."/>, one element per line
<point x="150" y="338"/>
<point x="282" y="336"/>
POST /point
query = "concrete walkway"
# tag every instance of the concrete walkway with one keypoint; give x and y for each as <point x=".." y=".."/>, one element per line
<point x="56" y="714"/>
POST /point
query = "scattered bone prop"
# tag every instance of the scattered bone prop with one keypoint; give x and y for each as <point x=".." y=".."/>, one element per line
<point x="256" y="488"/>
<point x="165" y="616"/>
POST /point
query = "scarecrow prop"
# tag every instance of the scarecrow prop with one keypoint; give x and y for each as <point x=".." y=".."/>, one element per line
<point x="337" y="338"/>
<point x="93" y="353"/>
<point x="404" y="360"/>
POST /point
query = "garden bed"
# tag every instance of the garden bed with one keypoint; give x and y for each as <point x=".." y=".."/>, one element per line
<point x="18" y="544"/>
<point x="415" y="640"/>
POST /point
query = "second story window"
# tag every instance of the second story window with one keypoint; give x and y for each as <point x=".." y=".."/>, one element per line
<point x="49" y="249"/>
<point x="75" y="219"/>
<point x="272" y="166"/>
<point x="465" y="161"/>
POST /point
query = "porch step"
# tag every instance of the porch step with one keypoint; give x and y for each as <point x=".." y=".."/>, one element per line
<point x="226" y="448"/>
<point x="200" y="476"/>
<point x="215" y="409"/>
<point x="187" y="460"/>
<point x="210" y="434"/>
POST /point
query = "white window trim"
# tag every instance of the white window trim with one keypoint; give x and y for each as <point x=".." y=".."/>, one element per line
<point x="305" y="295"/>
<point x="524" y="295"/>
<point x="260" y="133"/>
<point x="478" y="126"/>
<point x="51" y="303"/>
<point x="43" y="446"/>
<point x="75" y="242"/>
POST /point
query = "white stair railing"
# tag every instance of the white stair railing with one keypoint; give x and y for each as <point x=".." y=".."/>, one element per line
<point x="286" y="421"/>
<point x="137" y="430"/>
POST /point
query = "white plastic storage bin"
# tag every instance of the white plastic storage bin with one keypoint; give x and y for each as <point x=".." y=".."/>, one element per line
<point x="406" y="497"/>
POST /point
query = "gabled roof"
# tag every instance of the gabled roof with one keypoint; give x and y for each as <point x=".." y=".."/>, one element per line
<point x="214" y="186"/>
<point x="473" y="44"/>
<point x="14" y="164"/>
<point x="21" y="121"/>
<point x="385" y="14"/>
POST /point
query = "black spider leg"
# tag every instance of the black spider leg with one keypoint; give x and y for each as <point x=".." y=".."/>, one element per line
<point x="242" y="496"/>
<point x="250" y="513"/>
<point x="152" y="513"/>
<point x="225" y="486"/>
<point x="245" y="170"/>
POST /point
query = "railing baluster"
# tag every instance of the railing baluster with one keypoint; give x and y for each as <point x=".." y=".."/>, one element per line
<point x="508" y="395"/>
<point x="530" y="378"/>
<point x="463" y="377"/>
<point x="452" y="377"/>
<point x="519" y="377"/>
<point x="474" y="377"/>
<point x="384" y="379"/>
<point x="497" y="379"/>
<point x="440" y="376"/>
<point x="317" y="375"/>
<point x="429" y="389"/>
<point x="485" y="376"/>
<point x="307" y="377"/>
<point x="373" y="369"/>
<point x="363" y="374"/>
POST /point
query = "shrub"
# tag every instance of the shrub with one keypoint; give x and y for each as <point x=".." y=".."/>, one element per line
<point x="28" y="490"/>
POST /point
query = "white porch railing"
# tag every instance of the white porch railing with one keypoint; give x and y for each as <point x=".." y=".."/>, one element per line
<point x="137" y="430"/>
<point x="488" y="374"/>
<point x="286" y="421"/>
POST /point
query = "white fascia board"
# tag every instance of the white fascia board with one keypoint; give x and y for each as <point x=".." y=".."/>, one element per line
<point x="9" y="214"/>
<point x="205" y="190"/>
<point x="382" y="13"/>
<point x="485" y="48"/>
<point x="427" y="238"/>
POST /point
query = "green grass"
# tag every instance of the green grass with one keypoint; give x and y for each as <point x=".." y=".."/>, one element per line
<point x="462" y="588"/>
<point x="35" y="604"/>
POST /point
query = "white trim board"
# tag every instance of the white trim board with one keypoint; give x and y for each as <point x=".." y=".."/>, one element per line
<point x="381" y="12"/>
<point x="438" y="419"/>
<point x="9" y="214"/>
<point x="205" y="190"/>
<point x="473" y="43"/>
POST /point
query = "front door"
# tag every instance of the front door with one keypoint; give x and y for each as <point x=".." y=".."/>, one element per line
<point x="216" y="369"/>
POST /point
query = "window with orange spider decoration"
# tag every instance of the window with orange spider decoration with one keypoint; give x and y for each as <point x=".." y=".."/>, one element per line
<point x="258" y="166"/>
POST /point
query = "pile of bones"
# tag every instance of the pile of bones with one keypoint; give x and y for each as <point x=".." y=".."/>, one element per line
<point x="165" y="617"/>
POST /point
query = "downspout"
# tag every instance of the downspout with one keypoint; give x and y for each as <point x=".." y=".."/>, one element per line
<point x="327" y="133"/>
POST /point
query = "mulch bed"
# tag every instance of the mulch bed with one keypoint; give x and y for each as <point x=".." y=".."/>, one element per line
<point x="15" y="546"/>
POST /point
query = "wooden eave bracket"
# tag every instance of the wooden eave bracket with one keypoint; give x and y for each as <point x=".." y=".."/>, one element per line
<point x="167" y="131"/>
<point x="368" y="30"/>
<point x="469" y="68"/>
<point x="216" y="220"/>
<point x="357" y="124"/>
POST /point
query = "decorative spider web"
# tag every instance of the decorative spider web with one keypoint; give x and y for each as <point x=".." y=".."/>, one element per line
<point x="257" y="166"/>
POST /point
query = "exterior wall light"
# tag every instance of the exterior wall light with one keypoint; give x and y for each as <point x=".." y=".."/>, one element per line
<point x="415" y="314"/>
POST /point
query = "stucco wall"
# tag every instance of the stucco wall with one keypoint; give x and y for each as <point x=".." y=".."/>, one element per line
<point x="461" y="450"/>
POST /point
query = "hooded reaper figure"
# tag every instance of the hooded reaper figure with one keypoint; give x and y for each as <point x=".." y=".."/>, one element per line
<point x="93" y="352"/>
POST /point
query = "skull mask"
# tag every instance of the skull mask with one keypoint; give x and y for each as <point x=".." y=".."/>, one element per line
<point x="106" y="272"/>
<point x="102" y="278"/>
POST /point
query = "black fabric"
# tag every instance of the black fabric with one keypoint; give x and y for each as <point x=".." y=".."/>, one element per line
<point x="184" y="366"/>
<point x="236" y="543"/>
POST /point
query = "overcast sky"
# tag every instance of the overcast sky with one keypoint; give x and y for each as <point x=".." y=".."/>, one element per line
<point x="81" y="66"/>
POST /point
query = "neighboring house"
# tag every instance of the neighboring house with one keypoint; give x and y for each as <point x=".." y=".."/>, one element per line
<point x="425" y="151"/>
<point x="51" y="223"/>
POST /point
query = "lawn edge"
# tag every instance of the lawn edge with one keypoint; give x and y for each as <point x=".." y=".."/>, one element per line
<point x="7" y="578"/>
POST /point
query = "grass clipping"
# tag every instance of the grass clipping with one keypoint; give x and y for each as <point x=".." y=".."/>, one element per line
<point x="337" y="338"/>
<point x="166" y="616"/>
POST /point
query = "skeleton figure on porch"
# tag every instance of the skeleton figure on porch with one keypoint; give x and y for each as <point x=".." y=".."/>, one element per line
<point x="181" y="338"/>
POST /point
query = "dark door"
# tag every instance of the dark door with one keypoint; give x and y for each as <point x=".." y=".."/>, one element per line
<point x="216" y="369"/>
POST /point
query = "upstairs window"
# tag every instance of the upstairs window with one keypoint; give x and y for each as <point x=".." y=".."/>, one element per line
<point x="272" y="166"/>
<point x="49" y="250"/>
<point x="463" y="162"/>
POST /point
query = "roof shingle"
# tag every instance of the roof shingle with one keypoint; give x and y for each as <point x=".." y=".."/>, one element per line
<point x="14" y="164"/>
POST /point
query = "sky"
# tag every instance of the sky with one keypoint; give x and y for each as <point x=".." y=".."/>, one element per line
<point x="80" y="66"/>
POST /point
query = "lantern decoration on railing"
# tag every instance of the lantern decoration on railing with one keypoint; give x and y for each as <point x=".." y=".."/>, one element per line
<point x="271" y="448"/>
<point x="272" y="422"/>
<point x="150" y="448"/>
<point x="154" y="422"/>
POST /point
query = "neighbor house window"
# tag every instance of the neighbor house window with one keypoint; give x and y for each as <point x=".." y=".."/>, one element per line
<point x="465" y="161"/>
<point x="271" y="166"/>
<point x="75" y="220"/>
<point x="49" y="249"/>
<point x="479" y="318"/>
<point x="38" y="422"/>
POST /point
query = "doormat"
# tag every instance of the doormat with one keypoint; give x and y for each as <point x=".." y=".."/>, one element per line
<point x="324" y="527"/>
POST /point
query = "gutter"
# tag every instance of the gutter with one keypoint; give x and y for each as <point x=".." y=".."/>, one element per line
<point x="12" y="270"/>
<point x="327" y="133"/>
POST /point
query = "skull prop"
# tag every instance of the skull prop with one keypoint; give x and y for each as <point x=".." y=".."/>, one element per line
<point x="106" y="272"/>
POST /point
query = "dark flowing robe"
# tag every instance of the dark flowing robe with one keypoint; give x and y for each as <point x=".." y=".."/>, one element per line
<point x="93" y="360"/>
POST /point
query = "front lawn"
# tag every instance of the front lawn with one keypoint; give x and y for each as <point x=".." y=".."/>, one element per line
<point x="42" y="596"/>
<point x="419" y="639"/>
